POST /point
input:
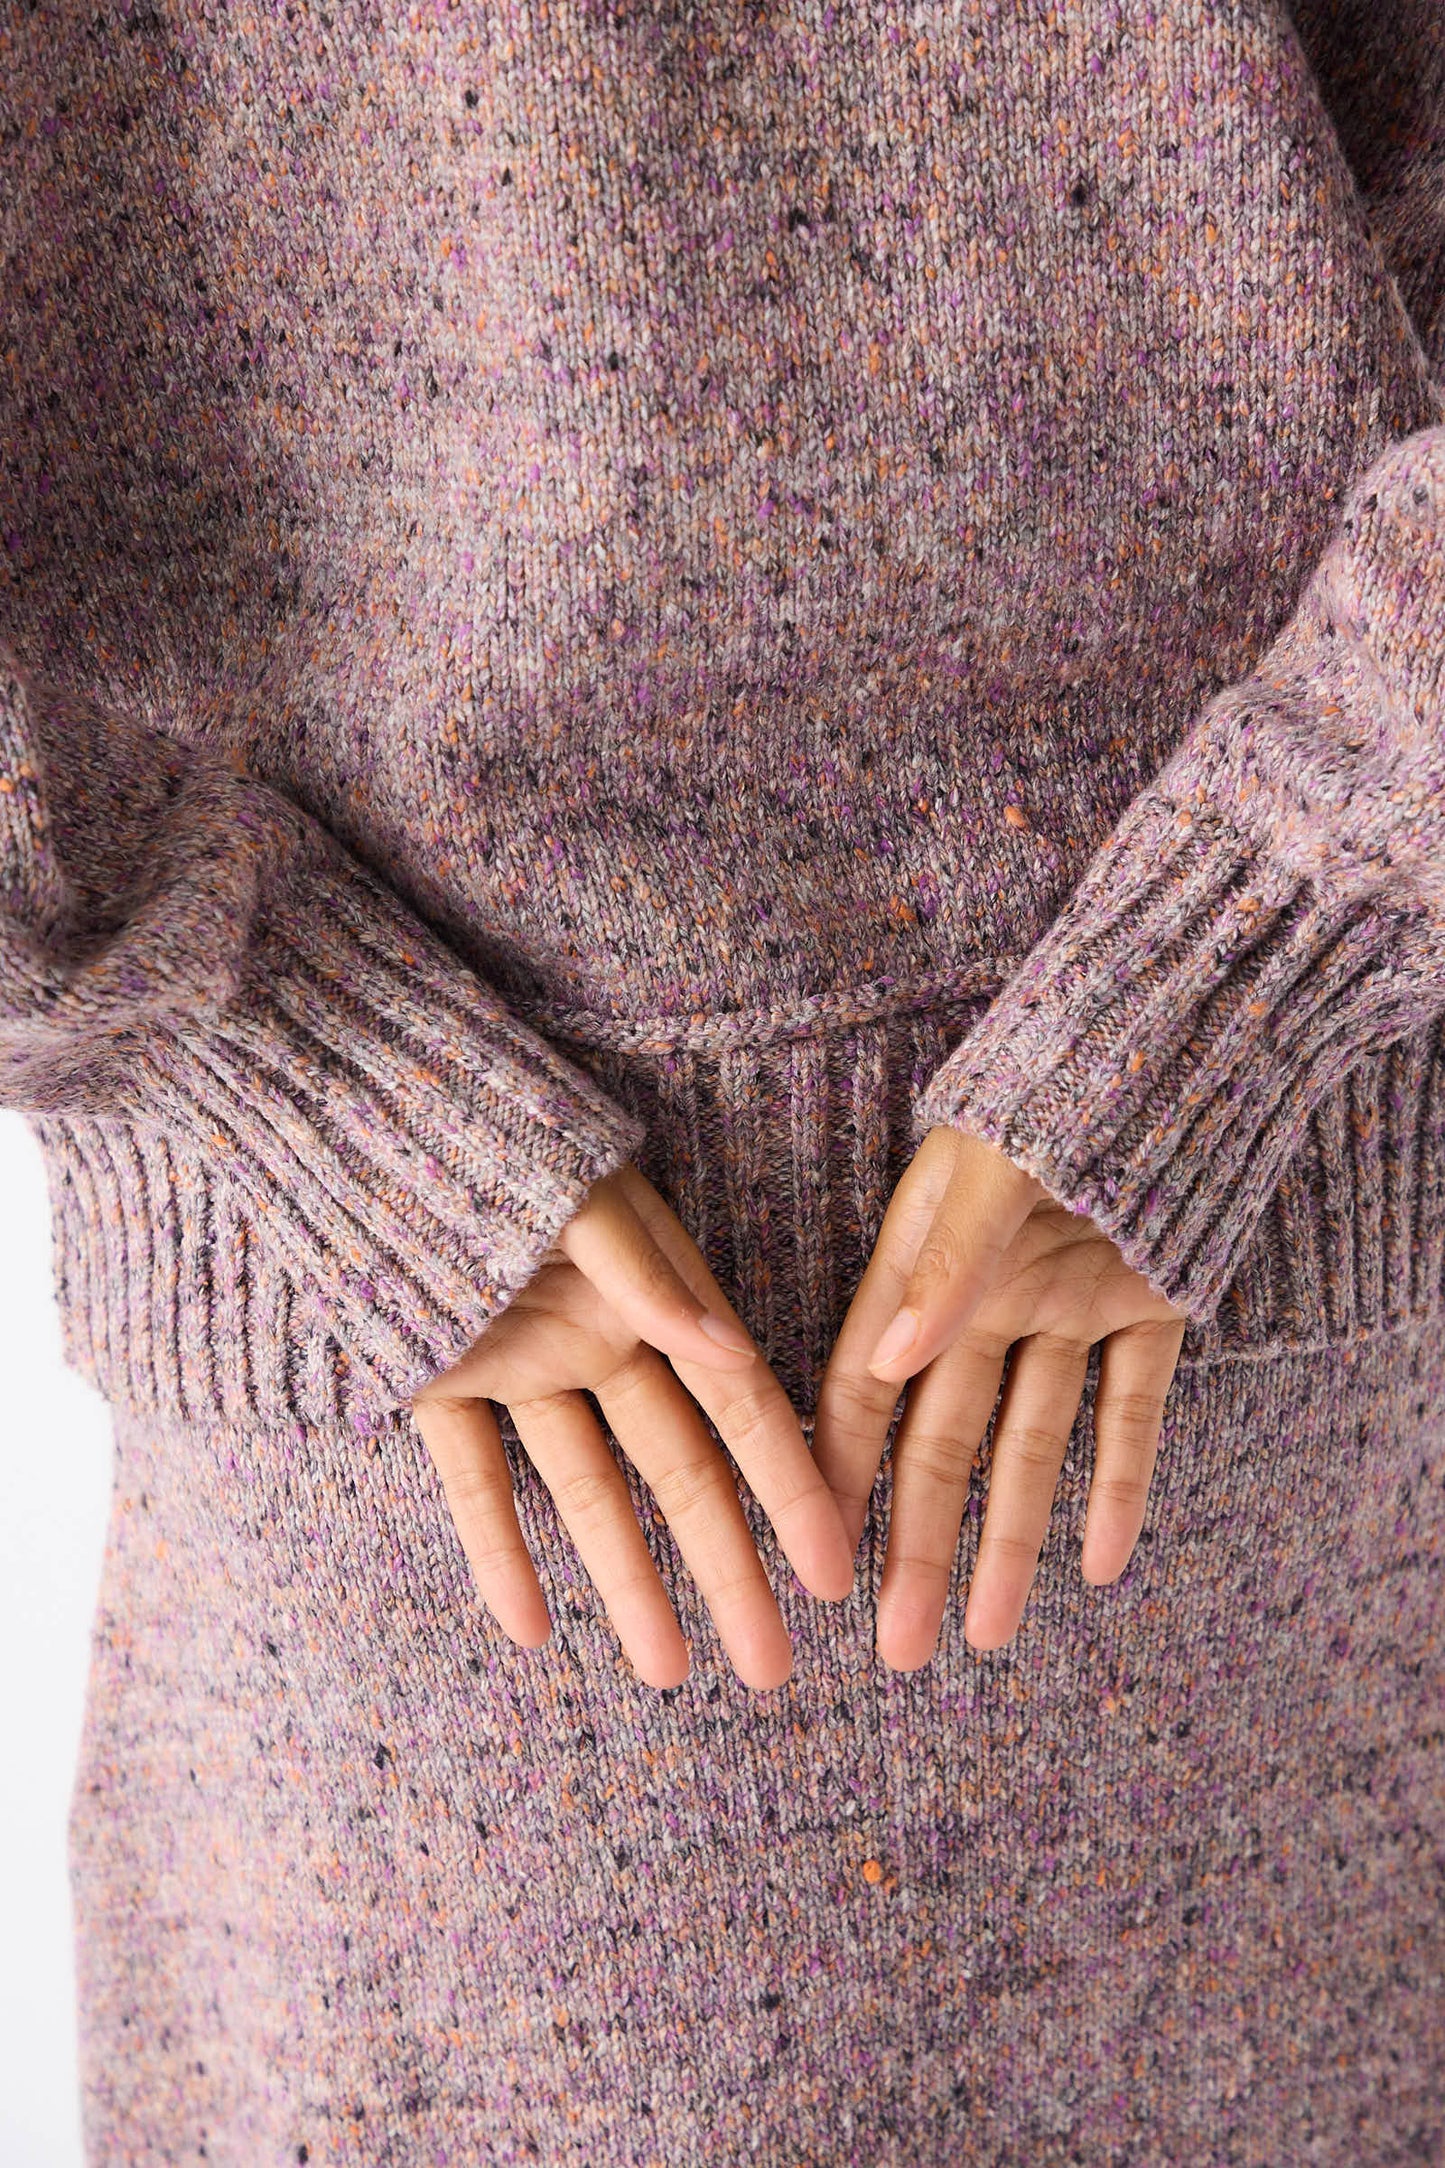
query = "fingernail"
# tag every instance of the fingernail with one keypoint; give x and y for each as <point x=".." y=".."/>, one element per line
<point x="725" y="1332"/>
<point x="897" y="1338"/>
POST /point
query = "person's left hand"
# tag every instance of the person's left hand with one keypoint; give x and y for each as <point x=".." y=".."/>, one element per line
<point x="988" y="1260"/>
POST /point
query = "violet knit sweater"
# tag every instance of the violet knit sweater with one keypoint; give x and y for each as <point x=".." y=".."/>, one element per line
<point x="719" y="585"/>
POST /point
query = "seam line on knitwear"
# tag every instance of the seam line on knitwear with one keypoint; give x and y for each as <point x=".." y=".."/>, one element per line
<point x="811" y="1015"/>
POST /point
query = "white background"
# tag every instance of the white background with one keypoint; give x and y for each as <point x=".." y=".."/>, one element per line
<point x="55" y="1469"/>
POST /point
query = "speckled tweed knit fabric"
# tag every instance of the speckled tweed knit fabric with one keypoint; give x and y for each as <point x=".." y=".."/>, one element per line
<point x="719" y="585"/>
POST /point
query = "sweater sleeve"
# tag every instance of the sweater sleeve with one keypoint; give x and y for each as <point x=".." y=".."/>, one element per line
<point x="182" y="945"/>
<point x="1268" y="913"/>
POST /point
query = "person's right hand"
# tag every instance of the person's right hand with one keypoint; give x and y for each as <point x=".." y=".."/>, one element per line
<point x="614" y="1310"/>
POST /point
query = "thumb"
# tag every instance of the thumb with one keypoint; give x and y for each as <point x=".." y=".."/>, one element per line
<point x="949" y="1259"/>
<point x="613" y="1245"/>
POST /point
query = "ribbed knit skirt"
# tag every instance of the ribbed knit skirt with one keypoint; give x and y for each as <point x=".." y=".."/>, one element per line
<point x="359" y="1881"/>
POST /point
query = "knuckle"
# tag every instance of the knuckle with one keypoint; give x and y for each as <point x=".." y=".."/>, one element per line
<point x="541" y="1407"/>
<point x="688" y="1485"/>
<point x="495" y="1562"/>
<point x="1135" y="1414"/>
<point x="735" y="1584"/>
<point x="631" y="1374"/>
<point x="925" y="1571"/>
<point x="432" y="1402"/>
<point x="941" y="1254"/>
<point x="1030" y="1445"/>
<point x="853" y="1404"/>
<point x="978" y="1341"/>
<point x="1130" y="1491"/>
<point x="624" y="1587"/>
<point x="468" y="1490"/>
<point x="749" y="1414"/>
<point x="1066" y="1354"/>
<point x="1007" y="1546"/>
<point x="789" y="1497"/>
<point x="936" y="1454"/>
<point x="655" y="1274"/>
<point x="491" y="1557"/>
<point x="587" y="1495"/>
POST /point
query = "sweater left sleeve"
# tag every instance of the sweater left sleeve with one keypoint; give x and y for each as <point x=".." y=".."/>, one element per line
<point x="1267" y="914"/>
<point x="184" y="948"/>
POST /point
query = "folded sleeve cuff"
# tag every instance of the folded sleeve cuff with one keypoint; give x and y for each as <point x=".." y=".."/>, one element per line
<point x="409" y="1148"/>
<point x="1155" y="1058"/>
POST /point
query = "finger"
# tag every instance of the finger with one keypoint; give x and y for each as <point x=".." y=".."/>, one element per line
<point x="657" y="1424"/>
<point x="756" y="1419"/>
<point x="672" y="1238"/>
<point x="564" y="1441"/>
<point x="855" y="1408"/>
<point x="613" y="1245"/>
<point x="984" y="1201"/>
<point x="1031" y="1435"/>
<point x="934" y="1450"/>
<point x="464" y="1440"/>
<point x="1136" y="1368"/>
<point x="759" y="1425"/>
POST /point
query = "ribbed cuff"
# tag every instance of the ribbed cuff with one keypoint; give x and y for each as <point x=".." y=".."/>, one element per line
<point x="409" y="1148"/>
<point x="1155" y="1059"/>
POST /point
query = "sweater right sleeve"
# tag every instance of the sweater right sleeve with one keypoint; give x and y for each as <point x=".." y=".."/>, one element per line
<point x="1266" y="914"/>
<point x="182" y="945"/>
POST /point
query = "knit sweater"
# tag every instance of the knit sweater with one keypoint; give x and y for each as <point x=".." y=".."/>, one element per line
<point x="719" y="586"/>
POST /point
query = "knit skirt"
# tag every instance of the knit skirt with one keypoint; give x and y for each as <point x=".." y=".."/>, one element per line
<point x="359" y="1881"/>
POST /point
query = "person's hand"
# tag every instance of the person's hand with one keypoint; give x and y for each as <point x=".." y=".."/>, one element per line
<point x="977" y="1252"/>
<point x="615" y="1310"/>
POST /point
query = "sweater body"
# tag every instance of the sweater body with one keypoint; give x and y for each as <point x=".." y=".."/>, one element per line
<point x="721" y="516"/>
<point x="717" y="516"/>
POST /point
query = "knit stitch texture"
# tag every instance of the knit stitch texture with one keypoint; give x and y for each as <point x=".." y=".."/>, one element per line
<point x="720" y="585"/>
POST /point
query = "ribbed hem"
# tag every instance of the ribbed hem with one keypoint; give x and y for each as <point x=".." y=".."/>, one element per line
<point x="778" y="1138"/>
<point x="406" y="1148"/>
<point x="1157" y="1059"/>
<point x="170" y="1303"/>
